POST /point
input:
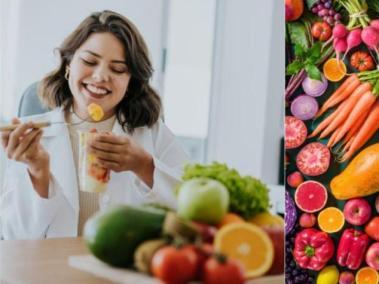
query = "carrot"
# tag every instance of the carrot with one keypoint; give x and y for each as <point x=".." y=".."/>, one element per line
<point x="345" y="90"/>
<point x="362" y="107"/>
<point x="368" y="129"/>
<point x="355" y="128"/>
<point x="331" y="141"/>
<point x="326" y="121"/>
<point x="344" y="113"/>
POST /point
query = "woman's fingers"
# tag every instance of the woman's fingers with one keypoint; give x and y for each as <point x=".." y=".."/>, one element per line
<point x="5" y="134"/>
<point x="107" y="147"/>
<point x="106" y="155"/>
<point x="33" y="146"/>
<point x="112" y="165"/>
<point x="25" y="143"/>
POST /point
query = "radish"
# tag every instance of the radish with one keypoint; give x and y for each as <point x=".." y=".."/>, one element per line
<point x="353" y="39"/>
<point x="339" y="31"/>
<point x="375" y="24"/>
<point x="340" y="45"/>
<point x="370" y="36"/>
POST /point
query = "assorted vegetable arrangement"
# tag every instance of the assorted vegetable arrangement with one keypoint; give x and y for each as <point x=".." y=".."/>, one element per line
<point x="332" y="143"/>
<point x="221" y="232"/>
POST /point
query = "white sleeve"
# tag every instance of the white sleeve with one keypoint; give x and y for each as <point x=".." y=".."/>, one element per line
<point x="24" y="214"/>
<point x="169" y="160"/>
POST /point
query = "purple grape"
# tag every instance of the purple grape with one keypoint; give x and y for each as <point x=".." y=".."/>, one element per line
<point x="314" y="10"/>
<point x="320" y="7"/>
<point x="324" y="12"/>
<point x="332" y="12"/>
<point x="337" y="17"/>
<point x="327" y="5"/>
<point x="330" y="20"/>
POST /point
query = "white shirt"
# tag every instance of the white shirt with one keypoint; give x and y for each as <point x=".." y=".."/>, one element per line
<point x="25" y="215"/>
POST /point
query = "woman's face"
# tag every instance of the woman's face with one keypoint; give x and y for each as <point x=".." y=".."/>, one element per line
<point x="98" y="74"/>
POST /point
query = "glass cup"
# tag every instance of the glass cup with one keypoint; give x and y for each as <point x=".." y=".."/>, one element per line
<point x="92" y="176"/>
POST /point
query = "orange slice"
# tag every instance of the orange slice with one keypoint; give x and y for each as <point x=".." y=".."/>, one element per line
<point x="248" y="244"/>
<point x="334" y="70"/>
<point x="95" y="111"/>
<point x="331" y="220"/>
<point x="230" y="218"/>
<point x="367" y="275"/>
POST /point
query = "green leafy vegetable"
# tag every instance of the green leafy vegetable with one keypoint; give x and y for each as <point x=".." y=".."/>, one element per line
<point x="248" y="195"/>
<point x="307" y="59"/>
<point x="311" y="3"/>
<point x="298" y="34"/>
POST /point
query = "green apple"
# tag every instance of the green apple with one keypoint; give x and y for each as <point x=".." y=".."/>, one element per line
<point x="203" y="199"/>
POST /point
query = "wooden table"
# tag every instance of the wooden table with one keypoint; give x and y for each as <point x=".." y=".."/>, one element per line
<point x="46" y="261"/>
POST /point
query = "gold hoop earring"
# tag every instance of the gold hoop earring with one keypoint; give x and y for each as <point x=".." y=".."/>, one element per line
<point x="67" y="73"/>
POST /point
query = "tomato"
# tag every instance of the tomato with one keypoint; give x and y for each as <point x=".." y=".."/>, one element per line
<point x="313" y="159"/>
<point x="175" y="265"/>
<point x="362" y="61"/>
<point x="295" y="132"/>
<point x="372" y="228"/>
<point x="219" y="270"/>
<point x="321" y="31"/>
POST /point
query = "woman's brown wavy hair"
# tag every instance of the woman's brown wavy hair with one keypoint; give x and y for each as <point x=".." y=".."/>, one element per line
<point x="141" y="105"/>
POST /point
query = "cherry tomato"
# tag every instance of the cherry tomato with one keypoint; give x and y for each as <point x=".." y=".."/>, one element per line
<point x="219" y="270"/>
<point x="321" y="31"/>
<point x="175" y="265"/>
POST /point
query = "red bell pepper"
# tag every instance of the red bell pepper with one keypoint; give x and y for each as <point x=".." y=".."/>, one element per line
<point x="313" y="249"/>
<point x="351" y="249"/>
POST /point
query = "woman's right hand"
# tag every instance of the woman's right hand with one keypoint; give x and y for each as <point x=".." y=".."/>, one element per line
<point x="23" y="144"/>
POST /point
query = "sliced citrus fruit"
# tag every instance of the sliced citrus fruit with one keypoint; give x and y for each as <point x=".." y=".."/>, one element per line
<point x="334" y="70"/>
<point x="230" y="218"/>
<point x="331" y="220"/>
<point x="95" y="111"/>
<point x="367" y="275"/>
<point x="311" y="196"/>
<point x="247" y="243"/>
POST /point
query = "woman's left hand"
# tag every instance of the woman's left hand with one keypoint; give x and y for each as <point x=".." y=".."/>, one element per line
<point x="120" y="153"/>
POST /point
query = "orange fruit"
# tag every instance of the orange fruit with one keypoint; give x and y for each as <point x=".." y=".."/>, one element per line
<point x="230" y="218"/>
<point x="267" y="219"/>
<point x="334" y="70"/>
<point x="95" y="111"/>
<point x="331" y="220"/>
<point x="367" y="275"/>
<point x="248" y="244"/>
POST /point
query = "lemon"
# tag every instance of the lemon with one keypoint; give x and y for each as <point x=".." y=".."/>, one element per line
<point x="329" y="275"/>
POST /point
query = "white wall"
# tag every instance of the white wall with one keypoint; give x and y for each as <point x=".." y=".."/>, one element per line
<point x="246" y="117"/>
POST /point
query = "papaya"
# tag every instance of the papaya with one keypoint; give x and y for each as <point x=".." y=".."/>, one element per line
<point x="113" y="235"/>
<point x="361" y="176"/>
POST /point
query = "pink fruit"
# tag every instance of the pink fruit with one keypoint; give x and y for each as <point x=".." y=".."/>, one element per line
<point x="295" y="179"/>
<point x="357" y="211"/>
<point x="307" y="220"/>
<point x="313" y="159"/>
<point x="346" y="277"/>
<point x="372" y="256"/>
<point x="377" y="204"/>
<point x="295" y="132"/>
<point x="311" y="196"/>
<point x="375" y="24"/>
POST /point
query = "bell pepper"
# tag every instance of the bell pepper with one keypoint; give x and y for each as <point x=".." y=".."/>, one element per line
<point x="313" y="249"/>
<point x="351" y="249"/>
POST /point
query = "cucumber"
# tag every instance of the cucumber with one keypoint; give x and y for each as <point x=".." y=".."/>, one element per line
<point x="113" y="235"/>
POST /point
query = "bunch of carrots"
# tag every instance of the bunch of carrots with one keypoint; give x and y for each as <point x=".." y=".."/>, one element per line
<point x="356" y="117"/>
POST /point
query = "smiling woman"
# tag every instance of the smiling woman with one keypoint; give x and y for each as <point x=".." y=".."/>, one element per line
<point x="104" y="62"/>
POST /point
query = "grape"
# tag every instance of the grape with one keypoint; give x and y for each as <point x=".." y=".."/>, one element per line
<point x="327" y="5"/>
<point x="332" y="12"/>
<point x="320" y="7"/>
<point x="337" y="17"/>
<point x="314" y="10"/>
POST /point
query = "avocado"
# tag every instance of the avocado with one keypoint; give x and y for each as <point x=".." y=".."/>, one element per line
<point x="113" y="235"/>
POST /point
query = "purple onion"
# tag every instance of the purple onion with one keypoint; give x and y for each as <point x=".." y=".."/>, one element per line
<point x="304" y="107"/>
<point x="314" y="88"/>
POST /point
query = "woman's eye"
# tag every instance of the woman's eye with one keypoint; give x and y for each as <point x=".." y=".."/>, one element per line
<point x="119" y="70"/>
<point x="88" y="62"/>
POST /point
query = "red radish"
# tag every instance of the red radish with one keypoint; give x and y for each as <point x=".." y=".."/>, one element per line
<point x="313" y="159"/>
<point x="339" y="45"/>
<point x="295" y="179"/>
<point x="339" y="31"/>
<point x="307" y="220"/>
<point x="311" y="196"/>
<point x="353" y="39"/>
<point x="304" y="107"/>
<point x="370" y="36"/>
<point x="295" y="132"/>
<point x="375" y="24"/>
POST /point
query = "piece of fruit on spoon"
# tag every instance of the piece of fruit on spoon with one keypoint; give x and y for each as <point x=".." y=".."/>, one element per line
<point x="95" y="111"/>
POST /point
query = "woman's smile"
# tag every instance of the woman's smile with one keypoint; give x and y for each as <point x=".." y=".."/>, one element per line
<point x="95" y="92"/>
